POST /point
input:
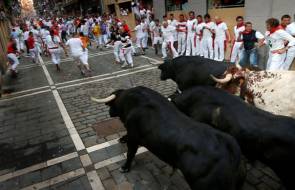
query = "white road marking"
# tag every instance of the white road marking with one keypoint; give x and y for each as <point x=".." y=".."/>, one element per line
<point x="25" y="91"/>
<point x="98" y="76"/>
<point x="39" y="166"/>
<point x="57" y="179"/>
<point x="152" y="59"/>
<point x="95" y="181"/>
<point x="118" y="158"/>
<point x="92" y="176"/>
<point x="61" y="159"/>
<point x="108" y="78"/>
<point x="29" y="66"/>
<point x="102" y="145"/>
<point x="6" y="98"/>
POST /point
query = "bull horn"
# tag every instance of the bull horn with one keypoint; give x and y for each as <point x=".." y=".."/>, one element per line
<point x="227" y="78"/>
<point x="104" y="100"/>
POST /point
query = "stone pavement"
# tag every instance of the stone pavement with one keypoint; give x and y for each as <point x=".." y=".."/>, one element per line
<point x="53" y="137"/>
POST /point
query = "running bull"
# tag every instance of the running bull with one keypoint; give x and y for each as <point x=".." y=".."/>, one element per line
<point x="209" y="159"/>
<point x="190" y="71"/>
<point x="261" y="135"/>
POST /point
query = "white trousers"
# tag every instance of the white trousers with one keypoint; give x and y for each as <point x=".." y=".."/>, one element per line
<point x="208" y="47"/>
<point x="13" y="59"/>
<point x="81" y="57"/>
<point x="191" y="45"/>
<point x="126" y="55"/>
<point x="157" y="40"/>
<point x="236" y="52"/>
<point x="34" y="54"/>
<point x="169" y="44"/>
<point x="55" y="55"/>
<point x="181" y="43"/>
<point x="145" y="41"/>
<point x="219" y="49"/>
<point x="289" y="58"/>
<point x="200" y="51"/>
<point x="276" y="62"/>
<point x="117" y="46"/>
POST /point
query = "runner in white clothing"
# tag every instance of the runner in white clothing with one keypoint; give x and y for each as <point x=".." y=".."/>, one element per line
<point x="276" y="37"/>
<point x="173" y="22"/>
<point x="54" y="43"/>
<point x="290" y="28"/>
<point x="79" y="53"/>
<point x="182" y="30"/>
<point x="208" y="31"/>
<point x="191" y="43"/>
<point x="199" y="32"/>
<point x="168" y="39"/>
<point x="221" y="37"/>
<point x="156" y="32"/>
<point x="236" y="52"/>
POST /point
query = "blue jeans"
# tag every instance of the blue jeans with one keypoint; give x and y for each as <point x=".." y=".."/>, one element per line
<point x="251" y="56"/>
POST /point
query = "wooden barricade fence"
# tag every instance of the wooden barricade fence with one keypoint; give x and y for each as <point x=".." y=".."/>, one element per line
<point x="4" y="38"/>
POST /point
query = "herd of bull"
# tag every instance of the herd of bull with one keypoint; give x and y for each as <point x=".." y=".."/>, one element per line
<point x="204" y="130"/>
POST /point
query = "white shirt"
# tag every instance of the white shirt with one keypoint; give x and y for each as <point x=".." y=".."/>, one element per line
<point x="26" y="35"/>
<point x="44" y="33"/>
<point x="191" y="25"/>
<point x="238" y="30"/>
<point x="276" y="40"/>
<point x="291" y="29"/>
<point x="35" y="34"/>
<point x="220" y="31"/>
<point x="50" y="43"/>
<point x="75" y="45"/>
<point x="168" y="33"/>
<point x="206" y="32"/>
<point x="156" y="31"/>
<point x="139" y="31"/>
<point x="181" y="26"/>
<point x="200" y="27"/>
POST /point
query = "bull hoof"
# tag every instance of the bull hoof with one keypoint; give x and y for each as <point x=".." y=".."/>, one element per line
<point x="124" y="169"/>
<point x="123" y="140"/>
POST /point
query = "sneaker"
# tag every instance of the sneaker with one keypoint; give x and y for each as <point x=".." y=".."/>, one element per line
<point x="131" y="65"/>
<point x="164" y="57"/>
<point x="124" y="65"/>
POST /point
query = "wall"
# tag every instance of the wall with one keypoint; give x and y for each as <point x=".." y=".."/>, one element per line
<point x="159" y="8"/>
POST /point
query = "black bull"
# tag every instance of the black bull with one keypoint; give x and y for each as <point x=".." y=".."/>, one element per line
<point x="191" y="71"/>
<point x="260" y="134"/>
<point x="209" y="159"/>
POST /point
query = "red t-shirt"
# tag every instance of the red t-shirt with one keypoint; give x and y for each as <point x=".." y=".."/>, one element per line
<point x="31" y="42"/>
<point x="11" y="48"/>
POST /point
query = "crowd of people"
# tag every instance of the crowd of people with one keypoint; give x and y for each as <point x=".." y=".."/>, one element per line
<point x="188" y="36"/>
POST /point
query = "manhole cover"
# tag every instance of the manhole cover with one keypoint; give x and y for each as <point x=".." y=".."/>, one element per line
<point x="108" y="127"/>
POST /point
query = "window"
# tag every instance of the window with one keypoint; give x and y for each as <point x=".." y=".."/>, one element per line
<point x="175" y="5"/>
<point x="216" y="4"/>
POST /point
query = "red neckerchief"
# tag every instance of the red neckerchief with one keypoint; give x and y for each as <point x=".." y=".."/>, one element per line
<point x="240" y="25"/>
<point x="284" y="27"/>
<point x="247" y="32"/>
<point x="273" y="30"/>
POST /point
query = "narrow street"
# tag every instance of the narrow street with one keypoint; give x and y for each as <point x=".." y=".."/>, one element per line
<point x="52" y="136"/>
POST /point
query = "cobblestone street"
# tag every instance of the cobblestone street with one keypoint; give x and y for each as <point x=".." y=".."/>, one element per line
<point x="52" y="136"/>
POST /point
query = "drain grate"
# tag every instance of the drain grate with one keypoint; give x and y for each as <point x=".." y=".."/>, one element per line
<point x="108" y="127"/>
